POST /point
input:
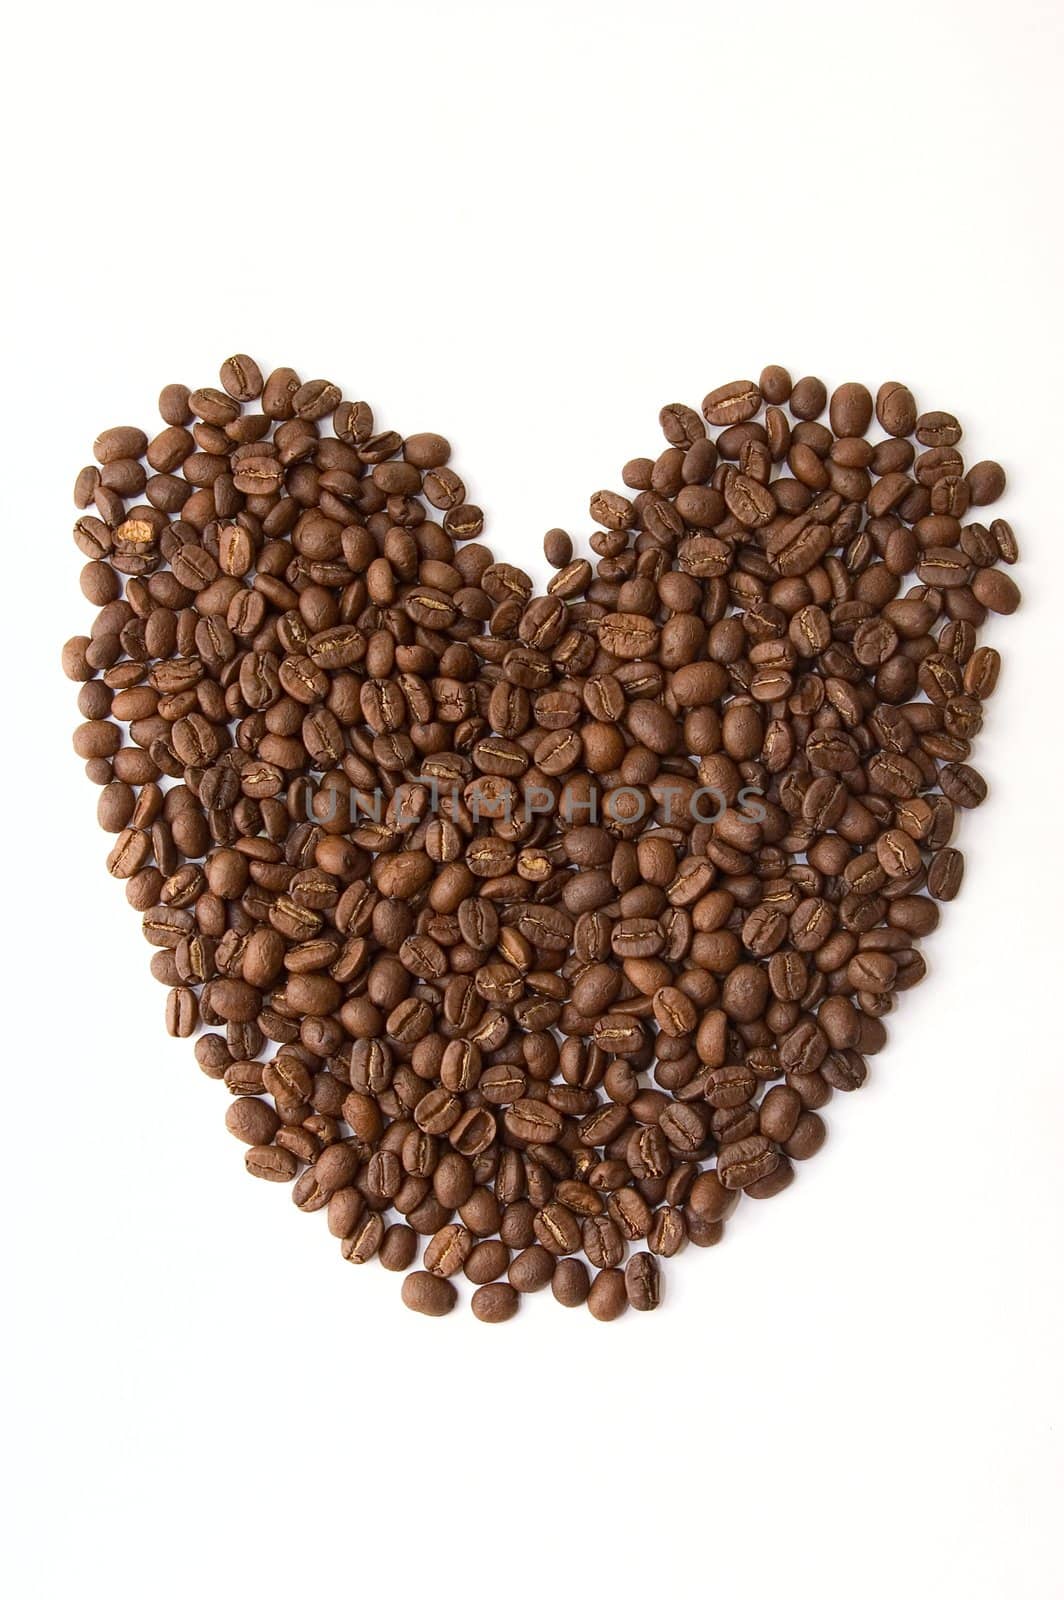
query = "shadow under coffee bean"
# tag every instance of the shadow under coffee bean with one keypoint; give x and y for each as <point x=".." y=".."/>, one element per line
<point x="430" y="854"/>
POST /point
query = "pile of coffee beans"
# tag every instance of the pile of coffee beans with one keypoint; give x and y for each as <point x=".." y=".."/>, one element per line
<point x="532" y="932"/>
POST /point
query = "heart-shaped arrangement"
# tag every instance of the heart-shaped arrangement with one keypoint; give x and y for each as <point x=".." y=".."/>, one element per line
<point x="538" y="926"/>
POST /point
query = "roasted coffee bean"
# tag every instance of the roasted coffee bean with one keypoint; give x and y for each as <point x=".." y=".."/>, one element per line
<point x="608" y="1296"/>
<point x="571" y="1282"/>
<point x="430" y="1295"/>
<point x="963" y="785"/>
<point x="495" y="1302"/>
<point x="182" y="1012"/>
<point x="945" y="873"/>
<point x="545" y="923"/>
<point x="488" y="1260"/>
<point x="642" y="1282"/>
<point x="448" y="1250"/>
<point x="531" y="1269"/>
<point x="240" y="376"/>
<point x="731" y="403"/>
<point x="364" y="1242"/>
<point x="269" y="1162"/>
<point x="251" y="1120"/>
<point x="398" y="1248"/>
<point x="746" y="1161"/>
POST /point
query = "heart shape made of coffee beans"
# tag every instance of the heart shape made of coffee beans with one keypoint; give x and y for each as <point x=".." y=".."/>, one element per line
<point x="536" y="928"/>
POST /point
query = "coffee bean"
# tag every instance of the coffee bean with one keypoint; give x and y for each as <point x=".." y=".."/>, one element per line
<point x="775" y="385"/>
<point x="986" y="482"/>
<point x="745" y="1161"/>
<point x="642" y="1282"/>
<point x="850" y="410"/>
<point x="731" y="403"/>
<point x="363" y="1243"/>
<point x="252" y="1121"/>
<point x="995" y="590"/>
<point x="806" y="1139"/>
<point x="448" y="1250"/>
<point x="608" y="1295"/>
<point x="896" y="410"/>
<point x="119" y="444"/>
<point x="571" y="1282"/>
<point x="432" y="1296"/>
<point x="531" y="1269"/>
<point x="558" y="547"/>
<point x="213" y="406"/>
<point x="495" y="1302"/>
<point x="240" y="377"/>
<point x="963" y="785"/>
<point x="488" y="1260"/>
<point x="808" y="399"/>
<point x="398" y="1247"/>
<point x="182" y="1013"/>
<point x="945" y="873"/>
<point x="269" y="1162"/>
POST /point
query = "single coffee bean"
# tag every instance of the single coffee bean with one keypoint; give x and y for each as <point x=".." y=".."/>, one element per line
<point x="251" y="1120"/>
<point x="398" y="1248"/>
<point x="731" y="403"/>
<point x="430" y="1295"/>
<point x="945" y="873"/>
<point x="364" y="1242"/>
<point x="495" y="1302"/>
<point x="531" y="1269"/>
<point x="240" y="377"/>
<point x="608" y="1296"/>
<point x="808" y="399"/>
<point x="995" y="590"/>
<point x="269" y="1162"/>
<point x="642" y="1282"/>
<point x="182" y="1012"/>
<point x="488" y="1260"/>
<point x="571" y="1282"/>
<point x="558" y="548"/>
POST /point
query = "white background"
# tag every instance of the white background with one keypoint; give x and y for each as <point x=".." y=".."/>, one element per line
<point x="528" y="226"/>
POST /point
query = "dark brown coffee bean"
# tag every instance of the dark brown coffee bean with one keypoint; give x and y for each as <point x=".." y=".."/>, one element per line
<point x="746" y="1161"/>
<point x="495" y="1302"/>
<point x="269" y="1162"/>
<point x="775" y="385"/>
<point x="251" y="1120"/>
<point x="850" y="410"/>
<point x="182" y="1013"/>
<point x="642" y="1282"/>
<point x="119" y="444"/>
<point x="608" y="1296"/>
<point x="571" y="1282"/>
<point x="448" y="1250"/>
<point x="945" y="873"/>
<point x="896" y="410"/>
<point x="488" y="1260"/>
<point x="531" y="1269"/>
<point x="364" y="1242"/>
<point x="995" y="590"/>
<point x="558" y="547"/>
<point x="731" y="403"/>
<point x="808" y="399"/>
<point x="430" y="1295"/>
<point x="963" y="785"/>
<point x="240" y="377"/>
<point x="398" y="1247"/>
